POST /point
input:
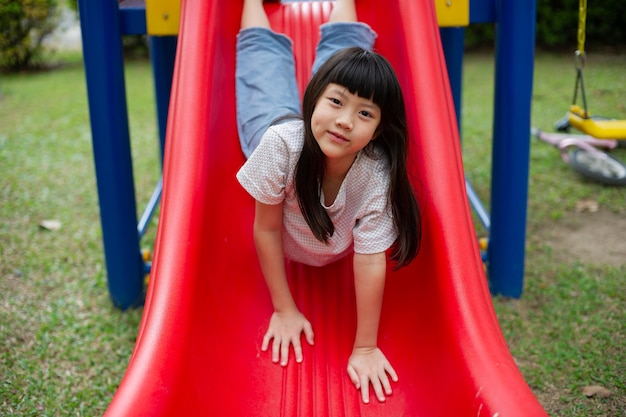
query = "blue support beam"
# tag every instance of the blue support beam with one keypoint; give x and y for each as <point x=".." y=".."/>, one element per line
<point x="515" y="51"/>
<point x="102" y="54"/>
<point x="514" y="62"/>
<point x="483" y="11"/>
<point x="163" y="57"/>
<point x="452" y="40"/>
<point x="133" y="17"/>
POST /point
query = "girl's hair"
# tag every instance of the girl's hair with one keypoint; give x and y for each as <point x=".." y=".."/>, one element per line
<point x="368" y="75"/>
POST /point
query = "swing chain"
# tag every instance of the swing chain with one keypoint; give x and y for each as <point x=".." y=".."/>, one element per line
<point x="580" y="59"/>
<point x="582" y="21"/>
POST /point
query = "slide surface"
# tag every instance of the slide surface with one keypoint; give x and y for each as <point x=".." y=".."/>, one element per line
<point x="198" y="349"/>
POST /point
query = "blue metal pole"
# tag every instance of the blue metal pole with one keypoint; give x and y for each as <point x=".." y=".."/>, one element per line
<point x="453" y="40"/>
<point x="163" y="56"/>
<point x="104" y="72"/>
<point x="515" y="40"/>
<point x="478" y="206"/>
<point x="155" y="198"/>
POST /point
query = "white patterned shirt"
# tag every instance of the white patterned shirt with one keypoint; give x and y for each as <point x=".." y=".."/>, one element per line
<point x="360" y="213"/>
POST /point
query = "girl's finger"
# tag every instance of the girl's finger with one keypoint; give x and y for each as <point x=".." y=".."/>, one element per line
<point x="308" y="333"/>
<point x="353" y="377"/>
<point x="365" y="390"/>
<point x="284" y="352"/>
<point x="384" y="380"/>
<point x="378" y="390"/>
<point x="275" y="350"/>
<point x="266" y="341"/>
<point x="297" y="350"/>
<point x="392" y="372"/>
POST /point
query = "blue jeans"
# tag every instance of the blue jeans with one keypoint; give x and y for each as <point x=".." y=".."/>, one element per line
<point x="265" y="76"/>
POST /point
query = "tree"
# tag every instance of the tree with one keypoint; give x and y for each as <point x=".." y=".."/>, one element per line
<point x="24" y="24"/>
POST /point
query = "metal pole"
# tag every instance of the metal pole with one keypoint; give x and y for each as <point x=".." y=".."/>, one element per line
<point x="452" y="40"/>
<point x="104" y="72"/>
<point x="515" y="40"/>
<point x="163" y="56"/>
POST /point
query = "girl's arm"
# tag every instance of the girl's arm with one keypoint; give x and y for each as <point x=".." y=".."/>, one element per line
<point x="287" y="323"/>
<point x="368" y="364"/>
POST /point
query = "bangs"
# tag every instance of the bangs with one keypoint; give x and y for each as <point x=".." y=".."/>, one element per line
<point x="366" y="74"/>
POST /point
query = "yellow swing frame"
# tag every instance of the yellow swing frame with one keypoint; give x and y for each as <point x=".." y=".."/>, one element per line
<point x="579" y="117"/>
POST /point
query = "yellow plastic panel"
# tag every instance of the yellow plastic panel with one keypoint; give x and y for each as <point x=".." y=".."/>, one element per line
<point x="452" y="12"/>
<point x="162" y="17"/>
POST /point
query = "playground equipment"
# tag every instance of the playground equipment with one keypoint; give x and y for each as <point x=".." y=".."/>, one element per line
<point x="197" y="351"/>
<point x="579" y="116"/>
<point x="103" y="22"/>
<point x="505" y="221"/>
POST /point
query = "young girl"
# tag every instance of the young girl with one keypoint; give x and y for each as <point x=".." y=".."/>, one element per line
<point x="330" y="183"/>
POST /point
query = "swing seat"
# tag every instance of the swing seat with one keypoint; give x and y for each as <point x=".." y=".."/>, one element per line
<point x="600" y="128"/>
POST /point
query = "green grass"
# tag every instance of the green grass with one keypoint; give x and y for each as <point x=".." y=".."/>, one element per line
<point x="64" y="348"/>
<point x="567" y="331"/>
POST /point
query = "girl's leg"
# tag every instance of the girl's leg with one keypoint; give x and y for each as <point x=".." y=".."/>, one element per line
<point x="253" y="15"/>
<point x="343" y="11"/>
<point x="265" y="80"/>
<point x="342" y="31"/>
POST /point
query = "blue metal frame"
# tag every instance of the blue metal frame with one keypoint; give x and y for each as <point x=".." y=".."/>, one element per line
<point x="102" y="24"/>
<point x="163" y="57"/>
<point x="515" y="52"/>
<point x="514" y="62"/>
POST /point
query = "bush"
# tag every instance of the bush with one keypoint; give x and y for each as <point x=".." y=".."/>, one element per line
<point x="24" y="24"/>
<point x="557" y="25"/>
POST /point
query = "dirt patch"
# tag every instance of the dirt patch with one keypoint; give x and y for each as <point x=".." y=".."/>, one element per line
<point x="592" y="237"/>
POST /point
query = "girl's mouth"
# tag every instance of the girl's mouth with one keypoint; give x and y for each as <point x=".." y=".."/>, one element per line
<point x="337" y="137"/>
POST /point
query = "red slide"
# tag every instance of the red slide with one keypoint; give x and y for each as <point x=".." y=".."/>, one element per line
<point x="198" y="349"/>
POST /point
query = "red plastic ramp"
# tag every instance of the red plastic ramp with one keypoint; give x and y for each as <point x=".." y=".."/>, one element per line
<point x="198" y="349"/>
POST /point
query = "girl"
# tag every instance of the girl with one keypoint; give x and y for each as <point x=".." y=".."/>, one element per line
<point x="330" y="183"/>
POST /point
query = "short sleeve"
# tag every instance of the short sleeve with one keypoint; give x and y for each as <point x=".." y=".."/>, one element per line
<point x="264" y="175"/>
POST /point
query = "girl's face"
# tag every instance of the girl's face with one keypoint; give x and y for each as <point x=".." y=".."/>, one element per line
<point x="343" y="123"/>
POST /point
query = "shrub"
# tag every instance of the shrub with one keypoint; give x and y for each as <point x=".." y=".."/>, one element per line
<point x="557" y="25"/>
<point x="24" y="24"/>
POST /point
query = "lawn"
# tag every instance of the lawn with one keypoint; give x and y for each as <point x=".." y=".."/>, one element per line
<point x="64" y="348"/>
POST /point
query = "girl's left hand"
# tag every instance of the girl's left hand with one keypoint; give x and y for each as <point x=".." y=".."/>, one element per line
<point x="369" y="365"/>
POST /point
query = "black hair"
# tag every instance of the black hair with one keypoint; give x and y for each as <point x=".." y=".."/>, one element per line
<point x="369" y="75"/>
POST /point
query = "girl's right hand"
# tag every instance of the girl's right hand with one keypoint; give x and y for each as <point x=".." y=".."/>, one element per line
<point x="368" y="365"/>
<point x="285" y="329"/>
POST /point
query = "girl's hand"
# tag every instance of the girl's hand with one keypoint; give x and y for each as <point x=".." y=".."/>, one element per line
<point x="369" y="365"/>
<point x="285" y="329"/>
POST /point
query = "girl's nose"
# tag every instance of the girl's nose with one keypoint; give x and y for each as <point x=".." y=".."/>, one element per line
<point x="344" y="121"/>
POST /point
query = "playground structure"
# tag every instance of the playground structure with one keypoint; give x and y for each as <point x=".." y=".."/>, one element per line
<point x="197" y="351"/>
<point x="505" y="222"/>
<point x="103" y="24"/>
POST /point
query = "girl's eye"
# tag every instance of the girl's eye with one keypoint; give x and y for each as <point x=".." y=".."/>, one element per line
<point x="334" y="100"/>
<point x="367" y="114"/>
